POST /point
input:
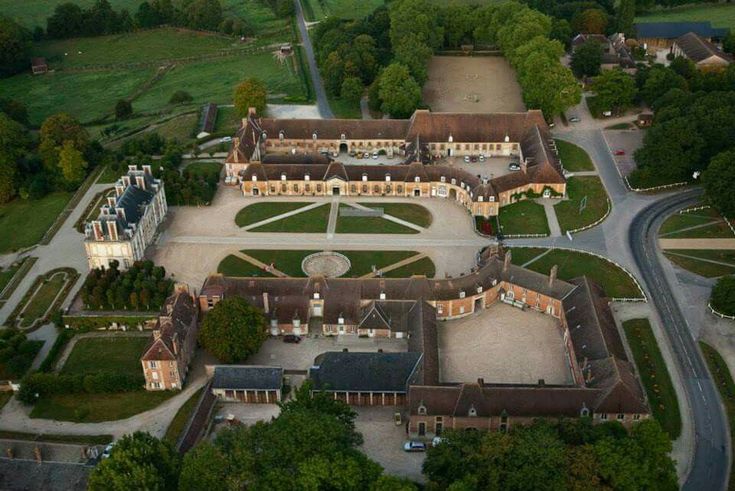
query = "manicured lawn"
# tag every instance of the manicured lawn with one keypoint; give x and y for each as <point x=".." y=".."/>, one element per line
<point x="109" y="176"/>
<point x="24" y="222"/>
<point x="674" y="226"/>
<point x="722" y="15"/>
<point x="644" y="179"/>
<point x="613" y="280"/>
<point x="567" y="212"/>
<point x="411" y="212"/>
<point x="257" y="13"/>
<point x="42" y="299"/>
<point x="722" y="379"/>
<point x="702" y="268"/>
<point x="7" y="274"/>
<point x="203" y="169"/>
<point x="227" y="120"/>
<point x="258" y="212"/>
<point x="311" y="221"/>
<point x="32" y="13"/>
<point x="288" y="262"/>
<point x="654" y="375"/>
<point x="369" y="225"/>
<point x="94" y="408"/>
<point x="115" y="354"/>
<point x="524" y="217"/>
<point x="363" y="261"/>
<point x="423" y="266"/>
<point x="182" y="417"/>
<point x="573" y="157"/>
<point x="180" y="128"/>
<point x="235" y="266"/>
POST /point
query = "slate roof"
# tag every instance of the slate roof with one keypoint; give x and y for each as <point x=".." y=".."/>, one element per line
<point x="247" y="377"/>
<point x="178" y="316"/>
<point x="363" y="372"/>
<point x="698" y="49"/>
<point x="672" y="30"/>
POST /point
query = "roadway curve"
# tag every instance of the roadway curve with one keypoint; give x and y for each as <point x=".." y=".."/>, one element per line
<point x="710" y="463"/>
<point x="316" y="80"/>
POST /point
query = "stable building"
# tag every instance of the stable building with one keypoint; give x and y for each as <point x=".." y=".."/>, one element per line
<point x="250" y="384"/>
<point x="704" y="54"/>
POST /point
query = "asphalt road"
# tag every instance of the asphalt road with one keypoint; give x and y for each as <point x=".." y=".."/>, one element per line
<point x="710" y="463"/>
<point x="316" y="80"/>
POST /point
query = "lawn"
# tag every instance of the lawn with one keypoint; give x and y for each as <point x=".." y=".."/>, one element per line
<point x="363" y="261"/>
<point x="524" y="217"/>
<point x="7" y="274"/>
<point x="227" y="120"/>
<point x="257" y="13"/>
<point x="343" y="109"/>
<point x="109" y="176"/>
<point x="311" y="221"/>
<point x="288" y="262"/>
<point x="722" y="15"/>
<point x="181" y="128"/>
<point x="235" y="266"/>
<point x="369" y="225"/>
<point x="95" y="408"/>
<point x="203" y="169"/>
<point x="116" y="354"/>
<point x="654" y="375"/>
<point x="345" y="9"/>
<point x="411" y="212"/>
<point x="24" y="222"/>
<point x="258" y="212"/>
<point x="567" y="211"/>
<point x="424" y="266"/>
<point x="182" y="417"/>
<point x="573" y="158"/>
<point x="32" y="13"/>
<point x="703" y="268"/>
<point x="644" y="179"/>
<point x="614" y="281"/>
<point x="42" y="299"/>
<point x="674" y="226"/>
<point x="722" y="379"/>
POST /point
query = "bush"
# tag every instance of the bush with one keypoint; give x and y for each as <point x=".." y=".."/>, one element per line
<point x="180" y="97"/>
<point x="723" y="295"/>
<point x="143" y="286"/>
<point x="39" y="384"/>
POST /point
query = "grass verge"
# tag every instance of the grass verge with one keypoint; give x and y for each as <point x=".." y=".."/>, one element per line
<point x="573" y="157"/>
<point x="95" y="408"/>
<point x="369" y="225"/>
<point x="411" y="212"/>
<point x="182" y="416"/>
<point x="423" y="266"/>
<point x="24" y="222"/>
<point x="258" y="212"/>
<point x="578" y="189"/>
<point x="703" y="268"/>
<point x="523" y="217"/>
<point x="42" y="299"/>
<point x="235" y="266"/>
<point x="312" y="221"/>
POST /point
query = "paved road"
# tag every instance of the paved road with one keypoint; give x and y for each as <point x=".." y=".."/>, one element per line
<point x="710" y="464"/>
<point x="316" y="80"/>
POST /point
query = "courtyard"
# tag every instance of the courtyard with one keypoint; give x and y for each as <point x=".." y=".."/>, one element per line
<point x="471" y="85"/>
<point x="503" y="345"/>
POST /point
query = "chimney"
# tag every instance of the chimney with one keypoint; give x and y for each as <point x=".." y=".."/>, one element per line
<point x="156" y="334"/>
<point x="506" y="261"/>
<point x="119" y="190"/>
<point x="147" y="170"/>
<point x="120" y="212"/>
<point x="132" y="168"/>
<point x="126" y="182"/>
<point x="112" y="228"/>
<point x="252" y="112"/>
<point x="140" y="182"/>
<point x="481" y="382"/>
<point x="97" y="227"/>
<point x="112" y="201"/>
<point x="552" y="275"/>
<point x="266" y="305"/>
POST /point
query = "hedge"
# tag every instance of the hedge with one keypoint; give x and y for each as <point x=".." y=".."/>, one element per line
<point x="41" y="384"/>
<point x="91" y="323"/>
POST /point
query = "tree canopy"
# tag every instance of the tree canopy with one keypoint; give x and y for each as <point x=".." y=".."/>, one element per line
<point x="233" y="330"/>
<point x="15" y="43"/>
<point x="719" y="181"/>
<point x="399" y="92"/>
<point x="587" y="59"/>
<point x="723" y="295"/>
<point x="615" y="90"/>
<point x="250" y="93"/>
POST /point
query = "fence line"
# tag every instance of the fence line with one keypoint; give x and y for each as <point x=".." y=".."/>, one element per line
<point x="654" y="188"/>
<point x="718" y="314"/>
<point x="595" y="223"/>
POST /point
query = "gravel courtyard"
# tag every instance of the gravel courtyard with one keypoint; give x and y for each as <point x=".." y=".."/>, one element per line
<point x="472" y="84"/>
<point x="503" y="345"/>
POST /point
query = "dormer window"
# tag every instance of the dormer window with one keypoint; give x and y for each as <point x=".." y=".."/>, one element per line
<point x="507" y="139"/>
<point x="255" y="178"/>
<point x="382" y="295"/>
<point x="454" y="181"/>
<point x="450" y="139"/>
<point x="316" y="295"/>
<point x="281" y="135"/>
<point x="313" y="136"/>
<point x="422" y="410"/>
<point x="417" y="179"/>
<point x="283" y="176"/>
<point x="387" y="178"/>
<point x="307" y="177"/>
<point x="480" y="198"/>
<point x="584" y="412"/>
<point x="364" y="178"/>
<point x="343" y="136"/>
<point x="479" y="289"/>
<point x="472" y="412"/>
<point x="492" y="198"/>
<point x="443" y="179"/>
<point x="341" y="320"/>
<point x="461" y="294"/>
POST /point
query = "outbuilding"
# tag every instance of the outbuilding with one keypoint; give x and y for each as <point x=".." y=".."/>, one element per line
<point x="251" y="384"/>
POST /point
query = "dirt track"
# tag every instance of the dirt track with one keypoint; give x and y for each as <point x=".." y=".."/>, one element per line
<point x="472" y="84"/>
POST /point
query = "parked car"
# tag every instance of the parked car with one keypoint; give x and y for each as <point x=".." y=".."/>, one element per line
<point x="226" y="139"/>
<point x="574" y="119"/>
<point x="514" y="166"/>
<point x="619" y="152"/>
<point x="607" y="114"/>
<point x="482" y="157"/>
<point x="352" y="153"/>
<point x="375" y="155"/>
<point x="358" y="155"/>
<point x="108" y="450"/>
<point x="467" y="158"/>
<point x="292" y="338"/>
<point x="473" y="158"/>
<point x="414" y="446"/>
<point x="436" y="441"/>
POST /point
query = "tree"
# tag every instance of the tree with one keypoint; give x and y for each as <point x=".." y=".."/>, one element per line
<point x="250" y="93"/>
<point x="723" y="295"/>
<point x="123" y="109"/>
<point x="615" y="89"/>
<point x="549" y="86"/>
<point x="660" y="80"/>
<point x="419" y="18"/>
<point x="458" y="22"/>
<point x="374" y="102"/>
<point x="561" y="30"/>
<point x="15" y="42"/>
<point x="72" y="164"/>
<point x="332" y="71"/>
<point x="398" y="91"/>
<point x="352" y="89"/>
<point x="586" y="59"/>
<point x="138" y="461"/>
<point x="363" y="56"/>
<point x="204" y="14"/>
<point x="13" y="142"/>
<point x="55" y="131"/>
<point x="671" y="149"/>
<point x="180" y="97"/>
<point x="233" y="330"/>
<point x="415" y="54"/>
<point x="625" y="17"/>
<point x="718" y="180"/>
<point x="66" y="21"/>
<point x="590" y="21"/>
<point x="15" y="110"/>
<point x="392" y="483"/>
<point x="204" y="467"/>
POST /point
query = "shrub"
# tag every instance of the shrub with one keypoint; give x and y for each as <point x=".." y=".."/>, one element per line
<point x="180" y="97"/>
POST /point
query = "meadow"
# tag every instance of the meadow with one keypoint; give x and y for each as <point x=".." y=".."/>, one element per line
<point x="32" y="13"/>
<point x="722" y="15"/>
<point x="344" y="9"/>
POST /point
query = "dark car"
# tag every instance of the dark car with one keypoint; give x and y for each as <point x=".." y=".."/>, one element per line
<point x="473" y="158"/>
<point x="291" y="338"/>
<point x="619" y="152"/>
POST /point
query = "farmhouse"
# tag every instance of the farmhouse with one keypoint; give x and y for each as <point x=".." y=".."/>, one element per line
<point x="292" y="157"/>
<point x="128" y="221"/>
<point x="703" y="53"/>
<point x="661" y="35"/>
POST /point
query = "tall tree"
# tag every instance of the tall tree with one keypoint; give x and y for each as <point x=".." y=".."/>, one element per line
<point x="719" y="181"/>
<point x="660" y="80"/>
<point x="352" y="90"/>
<point x="590" y="21"/>
<point x="13" y="142"/>
<point x="587" y="59"/>
<point x="415" y="54"/>
<point x="250" y="93"/>
<point x="723" y="295"/>
<point x="615" y="90"/>
<point x="204" y="14"/>
<point x="398" y="91"/>
<point x="415" y="17"/>
<point x="15" y="43"/>
<point x="72" y="164"/>
<point x="66" y="21"/>
<point x="625" y="17"/>
<point x="55" y="131"/>
<point x="233" y="330"/>
<point x="549" y="86"/>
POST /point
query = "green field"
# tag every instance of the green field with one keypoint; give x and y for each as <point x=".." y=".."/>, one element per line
<point x="708" y="221"/>
<point x="288" y="262"/>
<point x="258" y="212"/>
<point x="42" y="299"/>
<point x="95" y="408"/>
<point x="363" y="261"/>
<point x="257" y="13"/>
<point x="573" y="157"/>
<point x="236" y="266"/>
<point x="369" y="225"/>
<point x="613" y="280"/>
<point x="654" y="375"/>
<point x="7" y="274"/>
<point x="345" y="9"/>
<point x="703" y="268"/>
<point x="411" y="212"/>
<point x="722" y="15"/>
<point x="567" y="212"/>
<point x="311" y="221"/>
<point x="227" y="120"/>
<point x="115" y="354"/>
<point x="524" y="217"/>
<point x="423" y="266"/>
<point x="24" y="222"/>
<point x="32" y="13"/>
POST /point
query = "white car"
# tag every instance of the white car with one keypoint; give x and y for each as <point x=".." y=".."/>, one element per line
<point x="375" y="155"/>
<point x="108" y="450"/>
<point x="574" y="119"/>
<point x="514" y="166"/>
<point x="467" y="158"/>
<point x="482" y="157"/>
<point x="414" y="446"/>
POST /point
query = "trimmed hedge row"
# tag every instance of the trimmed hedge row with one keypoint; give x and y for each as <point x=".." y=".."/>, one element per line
<point x="40" y="384"/>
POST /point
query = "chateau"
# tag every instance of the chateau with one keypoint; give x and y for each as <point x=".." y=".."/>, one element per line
<point x="128" y="221"/>
<point x="295" y="157"/>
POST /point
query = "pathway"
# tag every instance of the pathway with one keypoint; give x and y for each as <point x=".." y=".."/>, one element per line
<point x="397" y="265"/>
<point x="364" y="109"/>
<point x="333" y="214"/>
<point x="553" y="221"/>
<point x="722" y="244"/>
<point x="390" y="218"/>
<point x="316" y="80"/>
<point x="282" y="216"/>
<point x="704" y="260"/>
<point x="261" y="265"/>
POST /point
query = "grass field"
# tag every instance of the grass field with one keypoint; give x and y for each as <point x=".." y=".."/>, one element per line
<point x="32" y="13"/>
<point x="7" y="274"/>
<point x="613" y="280"/>
<point x="311" y="221"/>
<point x="703" y="268"/>
<point x="24" y="222"/>
<point x="235" y="266"/>
<point x="257" y="13"/>
<point x="182" y="417"/>
<point x="567" y="212"/>
<point x="654" y="375"/>
<point x="227" y="120"/>
<point x="261" y="211"/>
<point x="573" y="158"/>
<point x="344" y="9"/>
<point x="116" y="354"/>
<point x="416" y="214"/>
<point x="423" y="266"/>
<point x="363" y="261"/>
<point x="180" y="128"/>
<point x="524" y="217"/>
<point x="722" y="15"/>
<point x="288" y="262"/>
<point x="723" y="381"/>
<point x="708" y="221"/>
<point x="343" y="109"/>
<point x="203" y="169"/>
<point x="369" y="225"/>
<point x="95" y="408"/>
<point x="42" y="299"/>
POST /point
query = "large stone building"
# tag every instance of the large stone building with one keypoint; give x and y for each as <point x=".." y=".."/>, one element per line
<point x="294" y="157"/>
<point x="604" y="385"/>
<point x="127" y="223"/>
